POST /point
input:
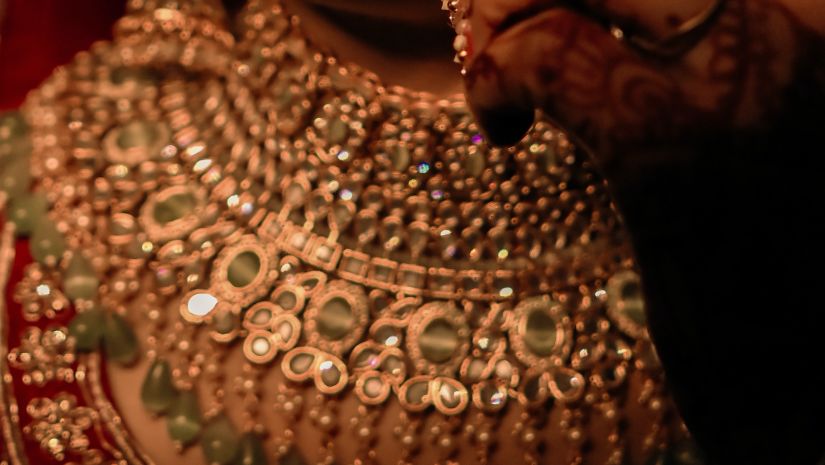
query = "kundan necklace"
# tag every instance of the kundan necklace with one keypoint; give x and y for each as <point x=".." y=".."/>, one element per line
<point x="354" y="247"/>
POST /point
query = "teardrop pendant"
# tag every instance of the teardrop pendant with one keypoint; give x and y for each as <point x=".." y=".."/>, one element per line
<point x="80" y="281"/>
<point x="47" y="244"/>
<point x="220" y="441"/>
<point x="119" y="340"/>
<point x="157" y="392"/>
<point x="26" y="212"/>
<point x="184" y="421"/>
<point x="87" y="329"/>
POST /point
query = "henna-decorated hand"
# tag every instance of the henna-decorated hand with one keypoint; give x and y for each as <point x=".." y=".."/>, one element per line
<point x="714" y="156"/>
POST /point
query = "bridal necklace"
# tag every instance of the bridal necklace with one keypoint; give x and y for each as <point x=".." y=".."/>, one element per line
<point x="358" y="239"/>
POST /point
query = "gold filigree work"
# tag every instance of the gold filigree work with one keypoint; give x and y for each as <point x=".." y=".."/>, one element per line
<point x="44" y="356"/>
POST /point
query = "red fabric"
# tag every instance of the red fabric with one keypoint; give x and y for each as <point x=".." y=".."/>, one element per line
<point x="38" y="35"/>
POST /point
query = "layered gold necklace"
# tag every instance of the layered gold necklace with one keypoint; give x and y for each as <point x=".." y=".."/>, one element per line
<point x="360" y="239"/>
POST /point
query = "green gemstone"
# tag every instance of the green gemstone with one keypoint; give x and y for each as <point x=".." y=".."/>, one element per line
<point x="224" y="322"/>
<point x="80" y="281"/>
<point x="158" y="393"/>
<point x="137" y="134"/>
<point x="220" y="441"/>
<point x="252" y="451"/>
<point x="26" y="212"/>
<point x="119" y="340"/>
<point x="184" y="420"/>
<point x="15" y="177"/>
<point x="47" y="244"/>
<point x="87" y="329"/>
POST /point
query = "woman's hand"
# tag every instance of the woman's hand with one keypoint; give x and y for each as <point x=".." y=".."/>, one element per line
<point x="561" y="57"/>
<point x="712" y="144"/>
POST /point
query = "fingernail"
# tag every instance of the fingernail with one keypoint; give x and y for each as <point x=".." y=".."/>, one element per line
<point x="505" y="125"/>
<point x="503" y="119"/>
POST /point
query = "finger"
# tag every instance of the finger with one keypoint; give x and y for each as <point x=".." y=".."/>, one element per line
<point x="571" y="68"/>
<point x="489" y="16"/>
<point x="653" y="18"/>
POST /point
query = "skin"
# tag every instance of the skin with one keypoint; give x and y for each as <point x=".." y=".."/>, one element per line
<point x="406" y="42"/>
<point x="706" y="154"/>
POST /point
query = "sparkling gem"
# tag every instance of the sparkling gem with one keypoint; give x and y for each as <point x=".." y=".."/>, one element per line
<point x="451" y="396"/>
<point x="301" y="363"/>
<point x="260" y="346"/>
<point x="423" y="167"/>
<point x="393" y="365"/>
<point x="491" y="396"/>
<point x="367" y="358"/>
<point x="373" y="387"/>
<point x="87" y="329"/>
<point x="389" y="336"/>
<point x="157" y="392"/>
<point x="201" y="304"/>
<point x="417" y="391"/>
<point x="330" y="374"/>
<point x="119" y="340"/>
<point x="184" y="420"/>
<point x="284" y="331"/>
<point x="220" y="442"/>
<point x="566" y="384"/>
<point x="80" y="281"/>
